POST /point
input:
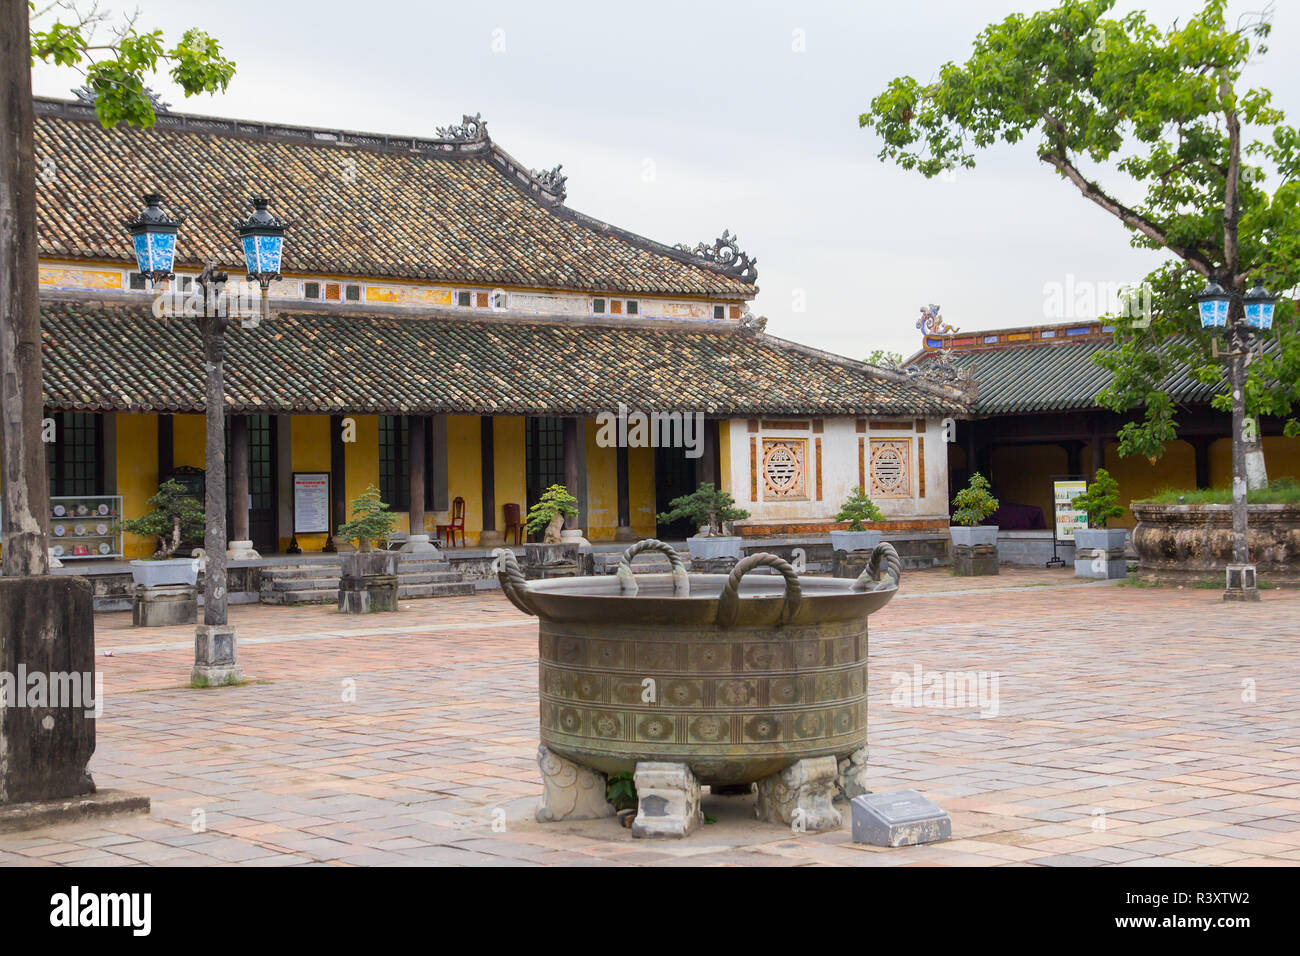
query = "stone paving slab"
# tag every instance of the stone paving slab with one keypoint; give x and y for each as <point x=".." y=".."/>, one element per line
<point x="1132" y="727"/>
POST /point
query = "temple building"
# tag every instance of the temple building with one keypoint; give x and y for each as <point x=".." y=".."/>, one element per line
<point x="446" y="329"/>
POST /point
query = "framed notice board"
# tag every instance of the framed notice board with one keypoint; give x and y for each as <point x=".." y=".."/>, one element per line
<point x="311" y="502"/>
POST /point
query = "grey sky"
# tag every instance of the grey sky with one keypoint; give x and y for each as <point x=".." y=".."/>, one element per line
<point x="679" y="119"/>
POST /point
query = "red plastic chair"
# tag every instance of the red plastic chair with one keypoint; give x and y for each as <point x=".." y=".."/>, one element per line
<point x="514" y="521"/>
<point x="457" y="523"/>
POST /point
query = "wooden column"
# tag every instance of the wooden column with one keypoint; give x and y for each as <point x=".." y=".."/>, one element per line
<point x="166" y="446"/>
<point x="239" y="478"/>
<point x="1098" y="443"/>
<point x="572" y="468"/>
<point x="338" y="480"/>
<point x="415" y="455"/>
<point x="624" y="530"/>
<point x="490" y="537"/>
<point x="1201" y="446"/>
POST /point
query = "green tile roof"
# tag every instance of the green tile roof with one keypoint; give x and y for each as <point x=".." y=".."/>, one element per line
<point x="100" y="356"/>
<point x="361" y="205"/>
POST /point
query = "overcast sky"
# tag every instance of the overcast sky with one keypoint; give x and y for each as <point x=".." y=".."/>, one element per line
<point x="679" y="119"/>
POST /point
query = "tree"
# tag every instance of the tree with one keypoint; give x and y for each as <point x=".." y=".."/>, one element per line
<point x="857" y="508"/>
<point x="115" y="68"/>
<point x="974" y="503"/>
<point x="175" y="517"/>
<point x="706" y="506"/>
<point x="1100" y="501"/>
<point x="548" y="513"/>
<point x="371" y="520"/>
<point x="1164" y="110"/>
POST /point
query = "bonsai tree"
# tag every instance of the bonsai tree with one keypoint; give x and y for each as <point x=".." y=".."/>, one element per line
<point x="974" y="503"/>
<point x="175" y="517"/>
<point x="548" y="514"/>
<point x="706" y="507"/>
<point x="371" y="520"/>
<point x="857" y="509"/>
<point x="1101" y="500"/>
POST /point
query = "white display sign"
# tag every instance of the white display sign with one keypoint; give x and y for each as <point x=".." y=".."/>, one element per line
<point x="311" y="502"/>
<point x="1069" y="518"/>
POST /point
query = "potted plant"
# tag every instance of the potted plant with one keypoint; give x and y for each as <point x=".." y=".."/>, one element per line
<point x="856" y="510"/>
<point x="971" y="506"/>
<point x="1100" y="502"/>
<point x="175" y="517"/>
<point x="546" y="517"/>
<point x="709" y="509"/>
<point x="369" y="577"/>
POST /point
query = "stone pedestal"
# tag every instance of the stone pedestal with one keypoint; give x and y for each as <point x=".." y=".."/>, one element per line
<point x="242" y="551"/>
<point x="712" y="565"/>
<point x="570" y="791"/>
<point x="1242" y="584"/>
<point x="800" y="796"/>
<point x="47" y="627"/>
<point x="550" y="560"/>
<point x="368" y="582"/>
<point x="1100" y="563"/>
<point x="851" y="780"/>
<point x="974" y="560"/>
<point x="418" y="544"/>
<point x="216" y="656"/>
<point x="900" y="818"/>
<point x="850" y="564"/>
<point x="668" y="801"/>
<point x="164" y="604"/>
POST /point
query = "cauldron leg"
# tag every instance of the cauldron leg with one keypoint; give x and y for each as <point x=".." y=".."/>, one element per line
<point x="573" y="792"/>
<point x="852" y="779"/>
<point x="668" y="800"/>
<point x="800" y="796"/>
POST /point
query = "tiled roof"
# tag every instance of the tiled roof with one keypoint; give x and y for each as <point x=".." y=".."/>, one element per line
<point x="116" y="357"/>
<point x="360" y="205"/>
<point x="1051" y="377"/>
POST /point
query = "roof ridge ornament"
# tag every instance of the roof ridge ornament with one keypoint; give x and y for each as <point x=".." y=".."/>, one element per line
<point x="938" y="368"/>
<point x="725" y="256"/>
<point x="551" y="181"/>
<point x="931" y="323"/>
<point x="470" y="129"/>
<point x="86" y="97"/>
<point x="752" y="323"/>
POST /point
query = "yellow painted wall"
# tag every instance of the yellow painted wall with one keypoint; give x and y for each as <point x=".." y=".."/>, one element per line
<point x="360" y="458"/>
<point x="309" y="450"/>
<point x="1281" y="457"/>
<point x="641" y="490"/>
<point x="602" y="487"/>
<point x="189" y="441"/>
<point x="509" y="464"/>
<point x="1139" y="478"/>
<point x="724" y="456"/>
<point x="464" y="473"/>
<point x="1022" y="475"/>
<point x="137" y="473"/>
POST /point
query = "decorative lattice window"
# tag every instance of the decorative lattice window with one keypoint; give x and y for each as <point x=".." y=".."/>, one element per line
<point x="785" y="472"/>
<point x="891" y="468"/>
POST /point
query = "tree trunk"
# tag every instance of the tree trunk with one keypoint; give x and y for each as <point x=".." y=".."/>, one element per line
<point x="552" y="535"/>
<point x="26" y="497"/>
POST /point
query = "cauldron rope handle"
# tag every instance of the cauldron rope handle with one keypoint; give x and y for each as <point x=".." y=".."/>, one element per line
<point x="883" y="553"/>
<point x="729" y="602"/>
<point x="627" y="580"/>
<point x="512" y="580"/>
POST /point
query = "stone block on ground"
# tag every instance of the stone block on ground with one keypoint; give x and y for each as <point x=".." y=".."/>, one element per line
<point x="668" y="800"/>
<point x="898" y="818"/>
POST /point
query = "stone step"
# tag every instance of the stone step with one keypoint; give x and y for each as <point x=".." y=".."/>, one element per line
<point x="306" y="596"/>
<point x="446" y="589"/>
<point x="300" y="584"/>
<point x="290" y="572"/>
<point x="429" y="577"/>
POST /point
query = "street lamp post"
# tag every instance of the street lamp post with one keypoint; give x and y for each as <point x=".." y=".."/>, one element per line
<point x="216" y="660"/>
<point x="1242" y="317"/>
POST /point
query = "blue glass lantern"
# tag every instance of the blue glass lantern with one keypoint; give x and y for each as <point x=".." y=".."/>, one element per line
<point x="262" y="236"/>
<point x="1214" y="302"/>
<point x="1259" y="306"/>
<point x="153" y="236"/>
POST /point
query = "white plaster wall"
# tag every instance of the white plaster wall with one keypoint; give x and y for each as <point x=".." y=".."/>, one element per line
<point x="840" y="471"/>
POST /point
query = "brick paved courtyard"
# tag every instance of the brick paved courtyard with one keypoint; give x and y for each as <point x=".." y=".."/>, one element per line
<point x="1133" y="727"/>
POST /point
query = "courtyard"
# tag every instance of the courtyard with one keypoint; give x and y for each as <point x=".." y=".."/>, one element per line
<point x="1130" y="726"/>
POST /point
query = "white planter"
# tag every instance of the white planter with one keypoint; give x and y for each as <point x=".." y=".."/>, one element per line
<point x="714" y="546"/>
<point x="973" y="537"/>
<point x="1103" y="539"/>
<point x="151" y="574"/>
<point x="855" y="540"/>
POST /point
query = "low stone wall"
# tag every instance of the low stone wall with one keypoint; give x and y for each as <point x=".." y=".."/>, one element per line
<point x="1182" y="544"/>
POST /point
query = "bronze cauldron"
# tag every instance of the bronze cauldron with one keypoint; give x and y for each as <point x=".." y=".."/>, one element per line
<point x="738" y="676"/>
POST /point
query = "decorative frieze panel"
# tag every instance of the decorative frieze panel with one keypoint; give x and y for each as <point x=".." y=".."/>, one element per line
<point x="891" y="468"/>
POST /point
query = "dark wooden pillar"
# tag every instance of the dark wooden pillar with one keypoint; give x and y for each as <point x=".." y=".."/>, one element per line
<point x="166" y="446"/>
<point x="1073" y="457"/>
<point x="490" y="537"/>
<point x="239" y="478"/>
<point x="573" y="468"/>
<point x="1098" y="455"/>
<point x="415" y="455"/>
<point x="624" y="531"/>
<point x="707" y="468"/>
<point x="1201" y="446"/>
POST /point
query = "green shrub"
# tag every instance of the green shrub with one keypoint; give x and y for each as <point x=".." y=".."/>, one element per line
<point x="705" y="506"/>
<point x="1101" y="500"/>
<point x="175" y="517"/>
<point x="974" y="503"/>
<point x="859" y="508"/>
<point x="371" y="520"/>
<point x="1280" y="491"/>
<point x="555" y="505"/>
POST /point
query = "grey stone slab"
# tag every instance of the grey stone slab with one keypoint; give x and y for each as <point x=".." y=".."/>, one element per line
<point x="898" y="818"/>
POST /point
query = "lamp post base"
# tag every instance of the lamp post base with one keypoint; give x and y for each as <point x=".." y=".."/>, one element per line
<point x="1242" y="585"/>
<point x="216" y="661"/>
